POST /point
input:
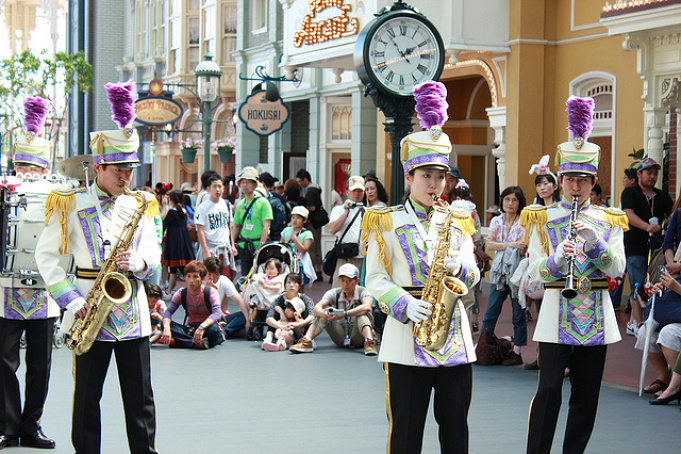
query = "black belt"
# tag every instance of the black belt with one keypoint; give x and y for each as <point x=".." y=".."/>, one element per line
<point x="416" y="292"/>
<point x="582" y="284"/>
<point x="92" y="273"/>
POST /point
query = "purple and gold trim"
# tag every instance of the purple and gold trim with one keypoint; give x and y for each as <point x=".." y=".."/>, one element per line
<point x="427" y="160"/>
<point x="63" y="292"/>
<point x="116" y="158"/>
<point x="31" y="160"/>
<point x="25" y="304"/>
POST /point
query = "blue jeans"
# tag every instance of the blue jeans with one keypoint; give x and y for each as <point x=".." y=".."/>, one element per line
<point x="494" y="305"/>
<point x="616" y="296"/>
<point x="212" y="333"/>
<point x="234" y="323"/>
<point x="637" y="270"/>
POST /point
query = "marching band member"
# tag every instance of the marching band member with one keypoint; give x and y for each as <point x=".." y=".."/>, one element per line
<point x="87" y="223"/>
<point x="400" y="243"/>
<point x="573" y="239"/>
<point x="29" y="310"/>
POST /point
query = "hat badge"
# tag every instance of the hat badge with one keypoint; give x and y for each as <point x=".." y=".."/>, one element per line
<point x="435" y="132"/>
<point x="578" y="142"/>
<point x="128" y="130"/>
<point x="29" y="136"/>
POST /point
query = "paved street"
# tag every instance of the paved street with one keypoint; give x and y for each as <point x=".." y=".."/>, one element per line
<point x="239" y="399"/>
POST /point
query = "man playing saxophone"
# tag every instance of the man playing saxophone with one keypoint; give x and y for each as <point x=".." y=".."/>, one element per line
<point x="573" y="247"/>
<point x="411" y="250"/>
<point x="88" y="224"/>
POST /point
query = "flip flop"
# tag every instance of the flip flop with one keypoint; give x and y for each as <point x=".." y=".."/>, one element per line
<point x="657" y="385"/>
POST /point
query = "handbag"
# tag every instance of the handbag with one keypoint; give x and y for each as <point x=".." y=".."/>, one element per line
<point x="340" y="250"/>
<point x="491" y="350"/>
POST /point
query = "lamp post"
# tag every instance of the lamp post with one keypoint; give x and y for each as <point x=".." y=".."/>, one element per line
<point x="208" y="75"/>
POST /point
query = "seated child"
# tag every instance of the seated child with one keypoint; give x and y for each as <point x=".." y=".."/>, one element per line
<point x="156" y="309"/>
<point x="267" y="287"/>
<point x="292" y="313"/>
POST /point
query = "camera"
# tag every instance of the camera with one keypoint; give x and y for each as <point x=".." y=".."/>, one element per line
<point x="335" y="311"/>
<point x="356" y="204"/>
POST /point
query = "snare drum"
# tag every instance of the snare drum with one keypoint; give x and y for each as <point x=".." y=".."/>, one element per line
<point x="23" y="218"/>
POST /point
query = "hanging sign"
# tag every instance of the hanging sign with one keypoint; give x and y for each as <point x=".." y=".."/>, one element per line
<point x="321" y="30"/>
<point x="157" y="111"/>
<point x="261" y="116"/>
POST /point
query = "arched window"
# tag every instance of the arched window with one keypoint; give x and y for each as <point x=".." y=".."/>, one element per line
<point x="341" y="123"/>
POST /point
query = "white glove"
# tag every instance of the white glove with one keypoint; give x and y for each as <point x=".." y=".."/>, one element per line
<point x="418" y="310"/>
<point x="559" y="258"/>
<point x="76" y="305"/>
<point x="589" y="235"/>
<point x="136" y="263"/>
<point x="454" y="265"/>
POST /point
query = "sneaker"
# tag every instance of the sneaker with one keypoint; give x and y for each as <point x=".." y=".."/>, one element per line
<point x="302" y="346"/>
<point x="513" y="360"/>
<point x="270" y="347"/>
<point x="370" y="347"/>
<point x="632" y="328"/>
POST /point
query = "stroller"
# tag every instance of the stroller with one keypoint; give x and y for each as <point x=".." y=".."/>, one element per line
<point x="290" y="264"/>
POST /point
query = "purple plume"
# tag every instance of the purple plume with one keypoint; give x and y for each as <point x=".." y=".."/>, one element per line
<point x="122" y="99"/>
<point x="431" y="103"/>
<point x="35" y="112"/>
<point x="580" y="116"/>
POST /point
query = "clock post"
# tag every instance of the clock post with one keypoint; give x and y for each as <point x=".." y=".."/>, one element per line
<point x="396" y="51"/>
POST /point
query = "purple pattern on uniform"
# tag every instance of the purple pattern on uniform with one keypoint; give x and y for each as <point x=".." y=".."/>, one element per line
<point x="66" y="298"/>
<point x="577" y="326"/>
<point x="92" y="243"/>
<point x="115" y="158"/>
<point x="595" y="251"/>
<point x="30" y="159"/>
<point x="25" y="304"/>
<point x="415" y="246"/>
<point x="551" y="265"/>
<point x="449" y="355"/>
<point x="400" y="305"/>
<point x="431" y="158"/>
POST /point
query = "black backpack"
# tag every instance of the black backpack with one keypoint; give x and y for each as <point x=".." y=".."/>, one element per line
<point x="183" y="301"/>
<point x="278" y="214"/>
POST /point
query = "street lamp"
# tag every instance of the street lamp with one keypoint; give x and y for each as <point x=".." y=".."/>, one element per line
<point x="208" y="75"/>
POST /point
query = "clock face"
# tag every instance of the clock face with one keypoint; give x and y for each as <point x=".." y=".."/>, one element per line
<point x="402" y="53"/>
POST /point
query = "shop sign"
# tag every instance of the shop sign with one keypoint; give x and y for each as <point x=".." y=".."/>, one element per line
<point x="157" y="111"/>
<point x="261" y="116"/>
<point x="335" y="27"/>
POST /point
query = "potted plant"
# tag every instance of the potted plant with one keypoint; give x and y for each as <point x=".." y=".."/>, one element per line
<point x="189" y="149"/>
<point x="225" y="149"/>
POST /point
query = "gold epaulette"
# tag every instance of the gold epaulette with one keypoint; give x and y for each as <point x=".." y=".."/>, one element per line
<point x="615" y="217"/>
<point x="378" y="220"/>
<point x="152" y="206"/>
<point x="463" y="220"/>
<point x="63" y="201"/>
<point x="535" y="215"/>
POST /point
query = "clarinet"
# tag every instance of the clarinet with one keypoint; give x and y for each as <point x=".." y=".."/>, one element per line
<point x="569" y="291"/>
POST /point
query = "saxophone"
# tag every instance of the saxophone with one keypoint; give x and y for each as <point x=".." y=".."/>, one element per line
<point x="110" y="288"/>
<point x="442" y="290"/>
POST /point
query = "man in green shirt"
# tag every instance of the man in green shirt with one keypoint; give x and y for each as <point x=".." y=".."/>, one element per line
<point x="252" y="219"/>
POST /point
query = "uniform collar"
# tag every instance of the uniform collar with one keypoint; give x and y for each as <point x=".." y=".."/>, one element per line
<point x="421" y="212"/>
<point x="567" y="204"/>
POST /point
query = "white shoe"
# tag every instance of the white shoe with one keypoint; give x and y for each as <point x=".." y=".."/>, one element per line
<point x="632" y="328"/>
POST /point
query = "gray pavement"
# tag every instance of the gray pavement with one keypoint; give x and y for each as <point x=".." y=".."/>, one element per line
<point x="239" y="399"/>
<point x="236" y="398"/>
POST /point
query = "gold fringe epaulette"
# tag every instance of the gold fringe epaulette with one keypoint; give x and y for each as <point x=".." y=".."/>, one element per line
<point x="152" y="207"/>
<point x="535" y="215"/>
<point x="615" y="217"/>
<point x="378" y="220"/>
<point x="463" y="221"/>
<point x="63" y="201"/>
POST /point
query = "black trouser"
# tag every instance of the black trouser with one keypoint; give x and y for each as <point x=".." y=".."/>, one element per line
<point x="408" y="396"/>
<point x="246" y="255"/>
<point x="39" y="334"/>
<point x="134" y="377"/>
<point x="586" y="371"/>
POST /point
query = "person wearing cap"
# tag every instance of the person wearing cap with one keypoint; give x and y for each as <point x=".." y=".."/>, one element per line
<point x="451" y="181"/>
<point x="302" y="240"/>
<point x="647" y="209"/>
<point x="87" y="223"/>
<point x="370" y="173"/>
<point x="575" y="325"/>
<point x="400" y="243"/>
<point x="252" y="219"/>
<point x="344" y="223"/>
<point x="345" y="313"/>
<point x="27" y="310"/>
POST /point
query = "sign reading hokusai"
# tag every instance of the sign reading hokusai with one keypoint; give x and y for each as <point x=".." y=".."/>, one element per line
<point x="261" y="116"/>
<point x="326" y="29"/>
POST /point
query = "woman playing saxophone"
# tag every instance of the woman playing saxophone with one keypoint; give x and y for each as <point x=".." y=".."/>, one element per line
<point x="404" y="245"/>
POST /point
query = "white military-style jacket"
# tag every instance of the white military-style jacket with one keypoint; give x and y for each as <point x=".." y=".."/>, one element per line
<point x="20" y="301"/>
<point x="589" y="318"/>
<point x="397" y="258"/>
<point x="73" y="225"/>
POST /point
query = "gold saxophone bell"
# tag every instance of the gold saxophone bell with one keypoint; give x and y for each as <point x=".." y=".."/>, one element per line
<point x="116" y="288"/>
<point x="452" y="290"/>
